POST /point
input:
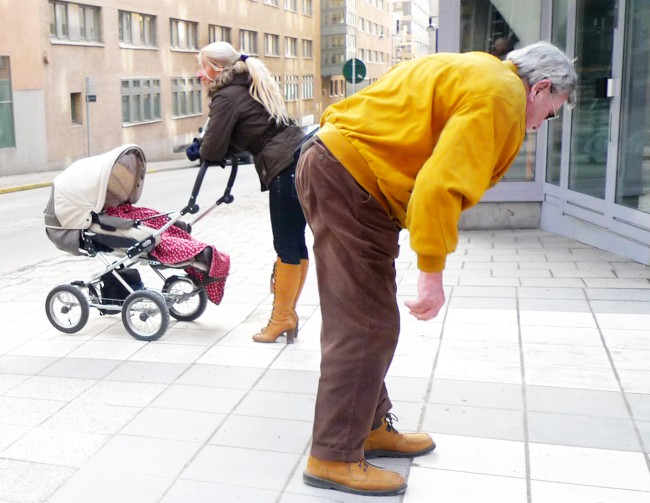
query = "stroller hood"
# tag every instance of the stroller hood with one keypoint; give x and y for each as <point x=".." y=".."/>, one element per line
<point x="89" y="185"/>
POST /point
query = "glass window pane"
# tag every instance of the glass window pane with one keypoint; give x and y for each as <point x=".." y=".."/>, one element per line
<point x="125" y="109"/>
<point x="590" y="117"/>
<point x="137" y="110"/>
<point x="633" y="177"/>
<point x="497" y="27"/>
<point x="554" y="146"/>
<point x="7" y="138"/>
<point x="5" y="86"/>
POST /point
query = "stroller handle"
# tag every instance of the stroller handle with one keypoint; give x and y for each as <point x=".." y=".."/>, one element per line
<point x="227" y="198"/>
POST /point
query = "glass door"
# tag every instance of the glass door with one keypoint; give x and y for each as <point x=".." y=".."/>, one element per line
<point x="633" y="173"/>
<point x="591" y="118"/>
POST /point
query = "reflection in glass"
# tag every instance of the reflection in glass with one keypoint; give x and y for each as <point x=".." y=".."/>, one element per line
<point x="497" y="27"/>
<point x="554" y="147"/>
<point x="633" y="177"/>
<point x="590" y="118"/>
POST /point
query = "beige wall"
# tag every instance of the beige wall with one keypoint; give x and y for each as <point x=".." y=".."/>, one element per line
<point x="20" y="24"/>
<point x="69" y="64"/>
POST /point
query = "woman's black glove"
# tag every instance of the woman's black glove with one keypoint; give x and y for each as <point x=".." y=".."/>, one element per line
<point x="192" y="151"/>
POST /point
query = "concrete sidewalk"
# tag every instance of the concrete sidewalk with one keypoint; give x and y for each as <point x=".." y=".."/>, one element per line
<point x="534" y="381"/>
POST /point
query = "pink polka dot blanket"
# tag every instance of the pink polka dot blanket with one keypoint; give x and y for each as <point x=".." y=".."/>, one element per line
<point x="177" y="246"/>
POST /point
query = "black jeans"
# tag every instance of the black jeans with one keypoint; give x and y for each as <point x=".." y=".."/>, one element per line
<point x="287" y="219"/>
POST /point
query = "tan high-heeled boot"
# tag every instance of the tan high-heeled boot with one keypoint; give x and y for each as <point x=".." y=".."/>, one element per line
<point x="283" y="321"/>
<point x="304" y="269"/>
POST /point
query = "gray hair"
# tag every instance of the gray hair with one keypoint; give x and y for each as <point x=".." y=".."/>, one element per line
<point x="542" y="60"/>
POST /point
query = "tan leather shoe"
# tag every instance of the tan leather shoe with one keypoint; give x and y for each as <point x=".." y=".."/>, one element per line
<point x="359" y="477"/>
<point x="387" y="442"/>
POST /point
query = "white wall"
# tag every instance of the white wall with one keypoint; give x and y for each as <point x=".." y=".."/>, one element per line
<point x="30" y="153"/>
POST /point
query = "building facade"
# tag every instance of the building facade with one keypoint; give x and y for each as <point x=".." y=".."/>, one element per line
<point x="586" y="175"/>
<point x="412" y="21"/>
<point x="353" y="29"/>
<point x="79" y="78"/>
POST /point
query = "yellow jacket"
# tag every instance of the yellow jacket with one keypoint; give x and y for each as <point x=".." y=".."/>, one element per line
<point x="428" y="139"/>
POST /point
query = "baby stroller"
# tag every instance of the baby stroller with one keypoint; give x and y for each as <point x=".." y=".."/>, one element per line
<point x="84" y="217"/>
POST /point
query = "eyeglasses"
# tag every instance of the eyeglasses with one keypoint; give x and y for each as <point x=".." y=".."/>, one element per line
<point x="555" y="114"/>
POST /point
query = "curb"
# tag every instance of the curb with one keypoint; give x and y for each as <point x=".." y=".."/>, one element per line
<point x="40" y="185"/>
<point x="30" y="186"/>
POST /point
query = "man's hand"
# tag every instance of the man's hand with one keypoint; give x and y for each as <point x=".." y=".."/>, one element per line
<point x="431" y="296"/>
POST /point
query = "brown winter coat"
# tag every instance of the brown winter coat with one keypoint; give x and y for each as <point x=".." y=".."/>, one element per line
<point x="238" y="123"/>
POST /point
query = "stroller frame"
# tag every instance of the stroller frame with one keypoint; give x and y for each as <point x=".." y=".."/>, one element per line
<point x="145" y="312"/>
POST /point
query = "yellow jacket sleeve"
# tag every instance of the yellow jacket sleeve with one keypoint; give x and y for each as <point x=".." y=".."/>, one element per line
<point x="475" y="148"/>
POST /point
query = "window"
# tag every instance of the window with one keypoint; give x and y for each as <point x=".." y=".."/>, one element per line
<point x="219" y="34"/>
<point x="336" y="17"/>
<point x="140" y="100"/>
<point x="137" y="30"/>
<point x="499" y="27"/>
<point x="89" y="23"/>
<point x="291" y="5"/>
<point x="7" y="134"/>
<point x="633" y="169"/>
<point x="291" y="88"/>
<point x="271" y="45"/>
<point x="307" y="49"/>
<point x="308" y="7"/>
<point x="248" y="41"/>
<point x="291" y="47"/>
<point x="75" y="108"/>
<point x="74" y="22"/>
<point x="186" y="96"/>
<point x="183" y="35"/>
<point x="274" y="3"/>
<point x="307" y="87"/>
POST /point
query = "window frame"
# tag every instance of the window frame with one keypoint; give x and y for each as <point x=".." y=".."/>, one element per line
<point x="308" y="87"/>
<point x="186" y="97"/>
<point x="272" y="45"/>
<point x="291" y="88"/>
<point x="290" y="47"/>
<point x="307" y="48"/>
<point x="131" y="18"/>
<point x="248" y="42"/>
<point x="7" y="102"/>
<point x="147" y="91"/>
<point x="190" y="35"/>
<point x="213" y="29"/>
<point x="75" y="23"/>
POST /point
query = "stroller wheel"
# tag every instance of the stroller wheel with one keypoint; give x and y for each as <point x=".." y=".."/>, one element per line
<point x="145" y="315"/>
<point x="67" y="308"/>
<point x="186" y="302"/>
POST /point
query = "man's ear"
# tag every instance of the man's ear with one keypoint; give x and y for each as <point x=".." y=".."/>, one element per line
<point x="540" y="86"/>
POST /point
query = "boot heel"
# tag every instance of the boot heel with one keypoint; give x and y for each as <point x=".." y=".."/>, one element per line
<point x="292" y="333"/>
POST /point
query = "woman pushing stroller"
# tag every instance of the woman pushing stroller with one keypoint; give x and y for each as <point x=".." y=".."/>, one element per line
<point x="248" y="113"/>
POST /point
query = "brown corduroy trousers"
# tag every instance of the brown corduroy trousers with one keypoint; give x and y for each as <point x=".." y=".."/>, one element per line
<point x="355" y="247"/>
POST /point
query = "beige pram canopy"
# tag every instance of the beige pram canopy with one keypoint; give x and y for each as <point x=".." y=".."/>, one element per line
<point x="87" y="187"/>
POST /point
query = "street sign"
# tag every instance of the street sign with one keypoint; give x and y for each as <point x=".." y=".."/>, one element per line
<point x="354" y="70"/>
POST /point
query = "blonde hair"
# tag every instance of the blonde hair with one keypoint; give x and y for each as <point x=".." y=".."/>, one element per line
<point x="222" y="57"/>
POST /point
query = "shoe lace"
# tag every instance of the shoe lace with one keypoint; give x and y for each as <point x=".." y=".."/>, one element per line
<point x="363" y="464"/>
<point x="390" y="418"/>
